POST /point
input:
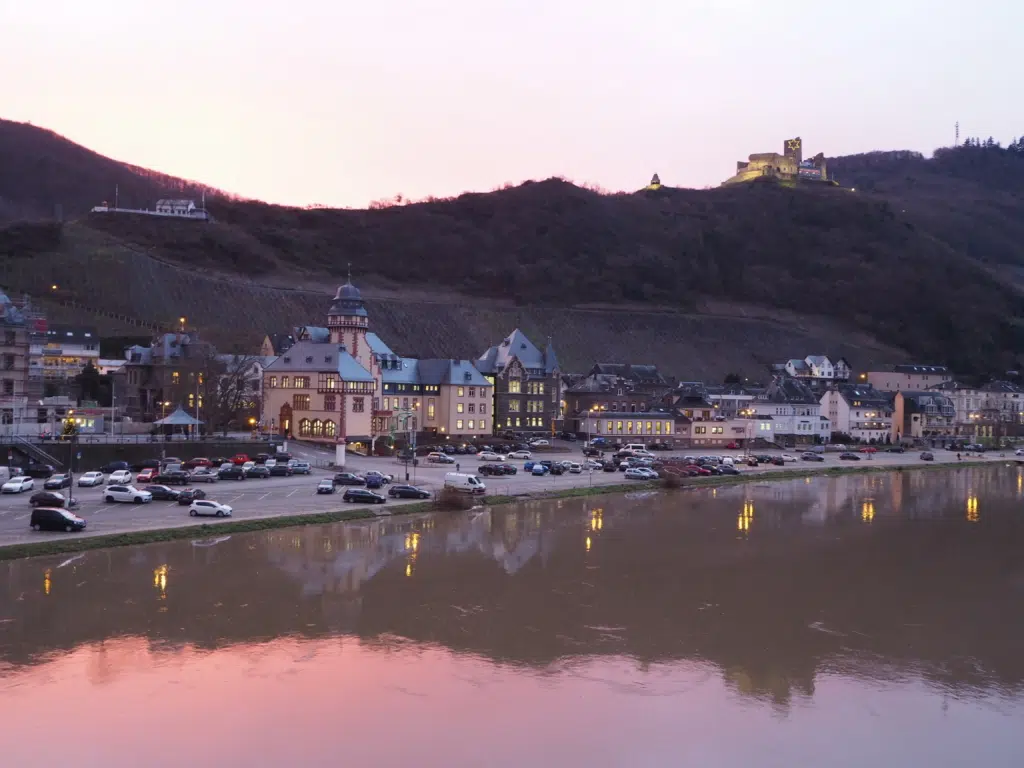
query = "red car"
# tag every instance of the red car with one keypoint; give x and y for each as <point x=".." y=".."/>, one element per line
<point x="699" y="470"/>
<point x="195" y="463"/>
<point x="146" y="475"/>
<point x="240" y="458"/>
<point x="732" y="446"/>
<point x="869" y="449"/>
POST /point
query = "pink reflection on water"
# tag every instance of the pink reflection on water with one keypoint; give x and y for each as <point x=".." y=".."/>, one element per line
<point x="395" y="703"/>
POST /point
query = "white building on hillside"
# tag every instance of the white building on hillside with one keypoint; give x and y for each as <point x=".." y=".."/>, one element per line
<point x="863" y="413"/>
<point x="818" y="367"/>
<point x="795" y="412"/>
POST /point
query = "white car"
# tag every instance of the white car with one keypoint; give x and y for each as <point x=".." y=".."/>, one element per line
<point x="573" y="467"/>
<point x="17" y="485"/>
<point x="226" y="465"/>
<point x="539" y="441"/>
<point x="520" y="455"/>
<point x="591" y="464"/>
<point x="270" y="463"/>
<point x="120" y="477"/>
<point x="635" y="473"/>
<point x="490" y="456"/>
<point x="787" y="458"/>
<point x="90" y="479"/>
<point x="126" y="494"/>
<point x="206" y="507"/>
<point x="248" y="465"/>
<point x="1019" y="452"/>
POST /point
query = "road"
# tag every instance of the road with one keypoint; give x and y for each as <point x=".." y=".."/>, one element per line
<point x="296" y="495"/>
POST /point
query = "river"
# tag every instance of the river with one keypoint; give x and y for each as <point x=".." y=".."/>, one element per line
<point x="844" y="621"/>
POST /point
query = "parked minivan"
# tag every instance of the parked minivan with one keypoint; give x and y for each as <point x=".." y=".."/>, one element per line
<point x="52" y="519"/>
<point x="440" y="458"/>
<point x="463" y="482"/>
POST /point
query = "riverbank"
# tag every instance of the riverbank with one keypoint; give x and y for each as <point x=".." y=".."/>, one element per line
<point x="71" y="544"/>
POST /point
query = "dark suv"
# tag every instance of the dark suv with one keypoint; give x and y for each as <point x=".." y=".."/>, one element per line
<point x="50" y="519"/>
<point x="173" y="477"/>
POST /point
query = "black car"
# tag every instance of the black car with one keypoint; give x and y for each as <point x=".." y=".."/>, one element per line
<point x="778" y="461"/>
<point x="39" y="471"/>
<point x="896" y="449"/>
<point x="408" y="492"/>
<point x="849" y="456"/>
<point x="48" y="499"/>
<point x="283" y="457"/>
<point x="927" y="456"/>
<point x="490" y="469"/>
<point x="115" y="466"/>
<point x="449" y="449"/>
<point x="52" y="519"/>
<point x="261" y="458"/>
<point x="56" y="482"/>
<point x="162" y="493"/>
<point x="727" y="470"/>
<point x="610" y="466"/>
<point x="173" y="477"/>
<point x="145" y="464"/>
<point x="234" y="472"/>
<point x="569" y="436"/>
<point x="811" y="457"/>
<point x="362" y="495"/>
<point x="347" y="478"/>
<point x="187" y="495"/>
<point x="281" y="470"/>
<point x="258" y="471"/>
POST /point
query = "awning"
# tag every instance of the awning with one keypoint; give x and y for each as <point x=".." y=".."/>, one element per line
<point x="178" y="419"/>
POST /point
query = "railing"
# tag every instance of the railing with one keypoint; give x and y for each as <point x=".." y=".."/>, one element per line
<point x="95" y="439"/>
<point x="34" y="451"/>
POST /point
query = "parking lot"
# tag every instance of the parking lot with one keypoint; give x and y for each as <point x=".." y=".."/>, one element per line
<point x="296" y="495"/>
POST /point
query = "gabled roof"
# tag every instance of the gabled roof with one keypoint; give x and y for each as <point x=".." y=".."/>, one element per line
<point x="377" y="345"/>
<point x="515" y="345"/>
<point x="458" y="372"/>
<point x="550" y="358"/>
<point x="312" y="333"/>
<point x="799" y="365"/>
<point x="279" y="342"/>
<point x="785" y="389"/>
<point x="318" y="357"/>
<point x="178" y="419"/>
<point x="817" y="359"/>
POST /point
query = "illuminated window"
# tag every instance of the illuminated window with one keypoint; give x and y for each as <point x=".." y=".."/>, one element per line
<point x="515" y="387"/>
<point x="273" y="382"/>
<point x="459" y="408"/>
<point x="629" y="427"/>
<point x="483" y="425"/>
<point x="300" y="402"/>
<point x="657" y="427"/>
<point x="461" y="392"/>
<point x="284" y="382"/>
<point x="618" y="427"/>
<point x="470" y="425"/>
<point x="458" y="424"/>
<point x="513" y="406"/>
<point x="304" y="426"/>
<point x="175" y="377"/>
<point x="430" y="409"/>
<point x="330" y="428"/>
<point x="649" y="427"/>
<point x="302" y="382"/>
<point x="317" y="428"/>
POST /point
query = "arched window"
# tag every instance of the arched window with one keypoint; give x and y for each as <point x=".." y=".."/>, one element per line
<point x="318" y="428"/>
<point x="304" y="428"/>
<point x="330" y="428"/>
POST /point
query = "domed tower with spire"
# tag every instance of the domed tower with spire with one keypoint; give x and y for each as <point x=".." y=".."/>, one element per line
<point x="348" y="323"/>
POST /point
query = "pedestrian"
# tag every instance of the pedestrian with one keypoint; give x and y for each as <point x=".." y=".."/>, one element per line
<point x="958" y="457"/>
<point x="458" y="468"/>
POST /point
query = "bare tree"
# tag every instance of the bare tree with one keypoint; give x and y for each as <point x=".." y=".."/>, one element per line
<point x="228" y="398"/>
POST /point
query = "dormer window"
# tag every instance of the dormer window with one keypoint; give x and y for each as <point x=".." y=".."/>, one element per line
<point x="309" y="359"/>
<point x="328" y="359"/>
<point x="287" y="359"/>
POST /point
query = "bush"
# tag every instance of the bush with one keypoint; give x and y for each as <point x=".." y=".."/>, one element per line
<point x="452" y="500"/>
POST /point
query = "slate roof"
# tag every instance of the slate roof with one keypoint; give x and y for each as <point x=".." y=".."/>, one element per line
<point x="517" y="345"/>
<point x="785" y="389"/>
<point x="646" y="374"/>
<point x="817" y="359"/>
<point x="443" y="371"/>
<point x="313" y="333"/>
<point x="800" y="366"/>
<point x="348" y="301"/>
<point x="280" y="342"/>
<point x="917" y="400"/>
<point x="377" y="345"/>
<point x="867" y="396"/>
<point x="72" y="334"/>
<point x="913" y="369"/>
<point x="311" y="356"/>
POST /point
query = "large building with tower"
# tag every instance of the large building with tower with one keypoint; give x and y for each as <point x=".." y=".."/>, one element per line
<point x="788" y="166"/>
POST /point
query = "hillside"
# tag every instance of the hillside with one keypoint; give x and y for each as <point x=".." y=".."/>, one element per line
<point x="700" y="281"/>
<point x="40" y="170"/>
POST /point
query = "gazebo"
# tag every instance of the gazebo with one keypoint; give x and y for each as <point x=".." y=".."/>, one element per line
<point x="177" y="419"/>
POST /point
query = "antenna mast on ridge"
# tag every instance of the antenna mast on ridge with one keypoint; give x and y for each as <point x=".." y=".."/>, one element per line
<point x="956" y="141"/>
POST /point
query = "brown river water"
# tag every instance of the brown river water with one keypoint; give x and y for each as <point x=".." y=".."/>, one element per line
<point x="872" y="620"/>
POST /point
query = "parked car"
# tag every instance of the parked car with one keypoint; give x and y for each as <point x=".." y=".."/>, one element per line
<point x="239" y="458"/>
<point x="114" y="466"/>
<point x="260" y="458"/>
<point x="868" y="449"/>
<point x="591" y="464"/>
<point x="187" y="495"/>
<point x="120" y="477"/>
<point x="440" y="458"/>
<point x="520" y="455"/>
<point x="787" y="457"/>
<point x="53" y="519"/>
<point x="211" y="508"/>
<point x="407" y="492"/>
<point x="162" y="492"/>
<point x="847" y="456"/>
<point x="732" y="446"/>
<point x="538" y="470"/>
<point x="490" y="456"/>
<point x="39" y="471"/>
<point x="363" y="496"/>
<point x="537" y="442"/>
<point x="575" y="468"/>
<point x="138" y="466"/>
<point x="173" y="477"/>
<point x="90" y="479"/>
<point x="896" y="449"/>
<point x="778" y="461"/>
<point x="49" y="499"/>
<point x="637" y="474"/>
<point x="325" y="486"/>
<point x="231" y="472"/>
<point x="729" y="470"/>
<point x="281" y="470"/>
<point x="610" y="466"/>
<point x="383" y="477"/>
<point x="927" y="456"/>
<point x="196" y="463"/>
<point x="146" y="475"/>
<point x="347" y="478"/>
<point x="300" y="467"/>
<point x="126" y="494"/>
<point x="808" y="456"/>
<point x="464" y="482"/>
<point x="18" y="484"/>
<point x="206" y="475"/>
<point x="56" y="482"/>
<point x="258" y="471"/>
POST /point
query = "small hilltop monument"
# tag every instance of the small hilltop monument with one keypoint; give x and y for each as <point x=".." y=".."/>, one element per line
<point x="655" y="183"/>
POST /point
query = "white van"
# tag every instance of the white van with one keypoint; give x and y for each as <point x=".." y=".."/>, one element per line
<point x="727" y="461"/>
<point x="5" y="474"/>
<point x="635" y="447"/>
<point x="463" y="482"/>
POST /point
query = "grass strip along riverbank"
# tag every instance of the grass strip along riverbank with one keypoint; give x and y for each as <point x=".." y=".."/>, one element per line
<point x="70" y="544"/>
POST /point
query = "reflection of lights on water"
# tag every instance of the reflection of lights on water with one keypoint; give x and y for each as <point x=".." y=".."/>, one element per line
<point x="807" y="481"/>
<point x="746" y="517"/>
<point x="588" y="543"/>
<point x="412" y="541"/>
<point x="160" y="579"/>
<point x="408" y="569"/>
<point x="597" y="519"/>
<point x="1020" y="484"/>
<point x="867" y="511"/>
<point x="47" y="581"/>
<point x="714" y="493"/>
<point x="972" y="509"/>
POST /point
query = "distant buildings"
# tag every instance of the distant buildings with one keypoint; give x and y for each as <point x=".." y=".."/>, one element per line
<point x="860" y="411"/>
<point x="907" y="377"/>
<point x="67" y="350"/>
<point x="788" y="166"/>
<point x="527" y="385"/>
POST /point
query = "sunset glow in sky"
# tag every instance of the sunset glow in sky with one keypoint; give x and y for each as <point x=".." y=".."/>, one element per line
<point x="341" y="103"/>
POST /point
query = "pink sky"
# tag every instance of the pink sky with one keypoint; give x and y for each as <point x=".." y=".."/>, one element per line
<point x="341" y="103"/>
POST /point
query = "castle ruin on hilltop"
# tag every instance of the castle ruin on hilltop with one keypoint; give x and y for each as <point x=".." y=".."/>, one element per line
<point x="789" y="166"/>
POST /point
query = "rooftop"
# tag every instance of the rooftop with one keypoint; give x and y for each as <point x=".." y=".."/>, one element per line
<point x="318" y="357"/>
<point x="921" y="369"/>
